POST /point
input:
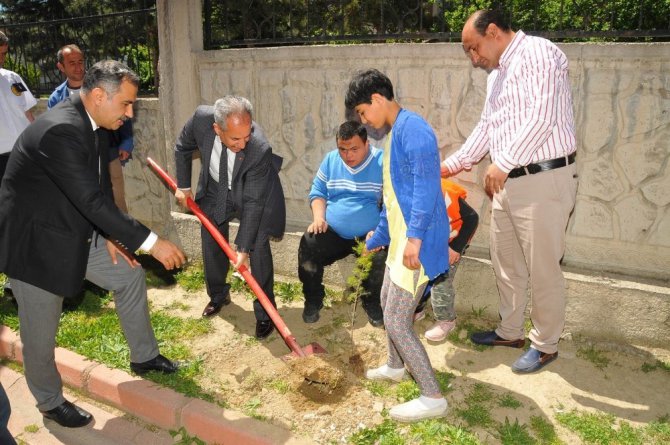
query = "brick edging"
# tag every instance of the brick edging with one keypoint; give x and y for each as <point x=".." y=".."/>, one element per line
<point x="152" y="403"/>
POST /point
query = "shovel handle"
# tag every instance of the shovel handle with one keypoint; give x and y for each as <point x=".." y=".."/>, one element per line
<point x="283" y="330"/>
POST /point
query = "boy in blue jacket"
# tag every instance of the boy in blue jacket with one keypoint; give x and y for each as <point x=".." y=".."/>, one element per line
<point x="414" y="226"/>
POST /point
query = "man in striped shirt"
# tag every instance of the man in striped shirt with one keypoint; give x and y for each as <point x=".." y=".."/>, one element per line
<point x="345" y="200"/>
<point x="527" y="127"/>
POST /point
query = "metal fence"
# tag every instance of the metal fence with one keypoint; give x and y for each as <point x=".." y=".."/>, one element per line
<point x="247" y="23"/>
<point x="129" y="36"/>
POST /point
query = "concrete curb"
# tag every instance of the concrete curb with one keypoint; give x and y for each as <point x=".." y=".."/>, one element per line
<point x="154" y="404"/>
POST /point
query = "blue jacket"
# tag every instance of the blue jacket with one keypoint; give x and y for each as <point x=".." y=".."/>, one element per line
<point x="415" y="176"/>
<point x="121" y="139"/>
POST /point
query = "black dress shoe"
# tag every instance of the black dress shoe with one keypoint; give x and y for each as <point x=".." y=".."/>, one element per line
<point x="264" y="329"/>
<point x="158" y="363"/>
<point x="214" y="308"/>
<point x="376" y="322"/>
<point x="69" y="415"/>
<point x="490" y="338"/>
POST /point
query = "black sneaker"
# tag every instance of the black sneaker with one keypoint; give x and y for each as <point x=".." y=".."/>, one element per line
<point x="376" y="322"/>
<point x="310" y="314"/>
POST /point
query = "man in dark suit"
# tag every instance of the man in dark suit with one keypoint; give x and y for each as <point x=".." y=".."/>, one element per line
<point x="239" y="179"/>
<point x="59" y="224"/>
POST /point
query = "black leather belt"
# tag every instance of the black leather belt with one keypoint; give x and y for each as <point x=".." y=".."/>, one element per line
<point x="543" y="166"/>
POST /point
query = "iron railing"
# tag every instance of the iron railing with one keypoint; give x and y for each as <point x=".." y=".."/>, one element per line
<point x="129" y="36"/>
<point x="249" y="23"/>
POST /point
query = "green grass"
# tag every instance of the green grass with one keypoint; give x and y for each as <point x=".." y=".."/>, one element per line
<point x="279" y="385"/>
<point x="288" y="292"/>
<point x="251" y="408"/>
<point x="544" y="431"/>
<point x="93" y="330"/>
<point x="407" y="390"/>
<point x="509" y="401"/>
<point x="386" y="433"/>
<point x="604" y="429"/>
<point x="191" y="278"/>
<point x="3" y="280"/>
<point x="593" y="355"/>
<point x="437" y="432"/>
<point x="479" y="393"/>
<point x="181" y="437"/>
<point x="32" y="428"/>
<point x="377" y="388"/>
<point x="658" y="364"/>
<point x="514" y="433"/>
<point x="475" y="414"/>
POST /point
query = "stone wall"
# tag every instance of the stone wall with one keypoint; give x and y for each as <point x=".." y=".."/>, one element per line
<point x="622" y="105"/>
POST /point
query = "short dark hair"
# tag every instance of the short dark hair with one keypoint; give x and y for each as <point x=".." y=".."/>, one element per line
<point x="349" y="129"/>
<point x="71" y="47"/>
<point x="108" y="75"/>
<point x="364" y="85"/>
<point x="483" y="18"/>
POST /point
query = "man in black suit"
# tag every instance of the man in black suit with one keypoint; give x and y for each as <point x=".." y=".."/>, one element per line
<point x="59" y="224"/>
<point x="239" y="179"/>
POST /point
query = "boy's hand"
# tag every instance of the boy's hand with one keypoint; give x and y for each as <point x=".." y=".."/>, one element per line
<point x="410" y="257"/>
<point x="454" y="257"/>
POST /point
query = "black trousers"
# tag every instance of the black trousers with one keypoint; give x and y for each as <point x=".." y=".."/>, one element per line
<point x="4" y="159"/>
<point x="217" y="264"/>
<point x="319" y="250"/>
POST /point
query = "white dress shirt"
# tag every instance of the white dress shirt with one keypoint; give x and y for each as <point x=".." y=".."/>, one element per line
<point x="528" y="115"/>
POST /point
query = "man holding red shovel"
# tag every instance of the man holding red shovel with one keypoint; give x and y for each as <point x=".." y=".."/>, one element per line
<point x="239" y="179"/>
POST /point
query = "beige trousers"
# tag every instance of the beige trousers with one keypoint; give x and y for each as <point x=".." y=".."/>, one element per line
<point x="116" y="175"/>
<point x="528" y="222"/>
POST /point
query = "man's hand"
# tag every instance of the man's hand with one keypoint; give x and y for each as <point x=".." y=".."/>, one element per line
<point x="454" y="257"/>
<point x="494" y="181"/>
<point x="182" y="196"/>
<point x="168" y="254"/>
<point x="319" y="225"/>
<point x="124" y="155"/>
<point x="242" y="260"/>
<point x="444" y="171"/>
<point x="114" y="248"/>
<point x="410" y="257"/>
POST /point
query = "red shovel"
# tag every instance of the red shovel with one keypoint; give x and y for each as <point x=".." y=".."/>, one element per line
<point x="297" y="351"/>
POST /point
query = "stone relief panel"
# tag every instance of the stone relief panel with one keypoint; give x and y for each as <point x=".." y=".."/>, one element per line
<point x="622" y="111"/>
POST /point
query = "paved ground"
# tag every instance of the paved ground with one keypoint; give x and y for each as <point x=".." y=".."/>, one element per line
<point x="110" y="426"/>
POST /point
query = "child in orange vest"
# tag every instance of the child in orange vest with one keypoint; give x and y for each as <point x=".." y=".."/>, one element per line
<point x="463" y="222"/>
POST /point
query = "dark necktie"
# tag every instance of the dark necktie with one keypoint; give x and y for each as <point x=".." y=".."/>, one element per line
<point x="222" y="194"/>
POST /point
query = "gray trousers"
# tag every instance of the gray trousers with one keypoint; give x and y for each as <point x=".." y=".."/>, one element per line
<point x="443" y="296"/>
<point x="40" y="311"/>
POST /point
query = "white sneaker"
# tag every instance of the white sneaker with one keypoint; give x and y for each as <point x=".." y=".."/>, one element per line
<point x="385" y="373"/>
<point x="419" y="409"/>
<point x="418" y="316"/>
<point x="440" y="330"/>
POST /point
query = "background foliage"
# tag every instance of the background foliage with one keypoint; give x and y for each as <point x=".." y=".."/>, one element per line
<point x="246" y="22"/>
<point x="103" y="29"/>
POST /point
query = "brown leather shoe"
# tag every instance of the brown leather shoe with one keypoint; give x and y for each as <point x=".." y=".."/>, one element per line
<point x="211" y="309"/>
<point x="214" y="308"/>
<point x="490" y="338"/>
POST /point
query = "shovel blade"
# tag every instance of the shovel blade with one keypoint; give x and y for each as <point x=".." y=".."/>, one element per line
<point x="310" y="349"/>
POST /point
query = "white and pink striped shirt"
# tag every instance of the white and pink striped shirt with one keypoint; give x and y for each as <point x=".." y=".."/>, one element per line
<point x="528" y="114"/>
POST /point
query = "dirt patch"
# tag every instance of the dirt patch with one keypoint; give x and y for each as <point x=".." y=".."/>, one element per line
<point x="332" y="402"/>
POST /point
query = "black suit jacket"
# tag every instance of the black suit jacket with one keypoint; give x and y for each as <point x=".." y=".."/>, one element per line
<point x="255" y="187"/>
<point x="55" y="191"/>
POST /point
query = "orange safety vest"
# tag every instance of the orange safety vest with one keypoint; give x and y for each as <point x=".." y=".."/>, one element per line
<point x="452" y="192"/>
